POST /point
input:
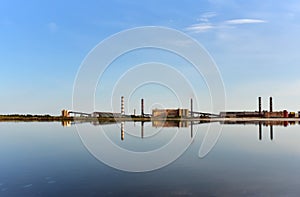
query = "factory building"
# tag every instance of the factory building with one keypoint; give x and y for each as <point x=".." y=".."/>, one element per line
<point x="106" y="115"/>
<point x="170" y="113"/>
<point x="259" y="113"/>
<point x="277" y="114"/>
<point x="239" y="114"/>
<point x="65" y="113"/>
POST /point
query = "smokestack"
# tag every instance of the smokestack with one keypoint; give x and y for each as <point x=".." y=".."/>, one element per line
<point x="259" y="105"/>
<point x="142" y="107"/>
<point x="122" y="105"/>
<point x="192" y="107"/>
<point x="271" y="105"/>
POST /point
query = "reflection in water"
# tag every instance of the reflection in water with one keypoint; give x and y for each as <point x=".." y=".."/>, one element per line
<point x="264" y="123"/>
<point x="122" y="131"/>
<point x="255" y="168"/>
<point x="159" y="123"/>
<point x="271" y="132"/>
<point x="192" y="128"/>
<point x="156" y="124"/>
<point x="65" y="123"/>
<point x="267" y="123"/>
<point x="185" y="124"/>
<point x="142" y="129"/>
<point x="259" y="131"/>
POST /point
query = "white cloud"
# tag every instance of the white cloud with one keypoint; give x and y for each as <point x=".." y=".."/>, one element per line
<point x="52" y="26"/>
<point x="201" y="27"/>
<point x="206" y="16"/>
<point x="244" y="21"/>
<point x="206" y="25"/>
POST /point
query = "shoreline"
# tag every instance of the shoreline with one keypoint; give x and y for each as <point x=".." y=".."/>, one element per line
<point x="48" y="118"/>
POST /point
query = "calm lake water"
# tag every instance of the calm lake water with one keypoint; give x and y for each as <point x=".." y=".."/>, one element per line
<point x="46" y="159"/>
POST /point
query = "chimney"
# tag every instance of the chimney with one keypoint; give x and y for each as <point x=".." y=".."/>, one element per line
<point x="122" y="105"/>
<point x="271" y="105"/>
<point x="259" y="105"/>
<point x="192" y="108"/>
<point x="142" y="107"/>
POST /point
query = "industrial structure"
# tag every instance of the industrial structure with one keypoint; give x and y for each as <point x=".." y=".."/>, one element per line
<point x="106" y="115"/>
<point x="170" y="113"/>
<point x="185" y="113"/>
<point x="142" y="107"/>
<point x="122" y="106"/>
<point x="259" y="113"/>
<point x="64" y="113"/>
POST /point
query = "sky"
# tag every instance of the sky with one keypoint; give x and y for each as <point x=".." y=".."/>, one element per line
<point x="255" y="45"/>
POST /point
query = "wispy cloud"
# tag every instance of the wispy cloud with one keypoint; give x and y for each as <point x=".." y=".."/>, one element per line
<point x="206" y="16"/>
<point x="205" y="24"/>
<point x="198" y="28"/>
<point x="244" y="21"/>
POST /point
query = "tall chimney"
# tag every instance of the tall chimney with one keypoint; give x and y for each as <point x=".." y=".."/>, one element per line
<point x="142" y="107"/>
<point x="122" y="105"/>
<point x="271" y="105"/>
<point x="192" y="107"/>
<point x="259" y="105"/>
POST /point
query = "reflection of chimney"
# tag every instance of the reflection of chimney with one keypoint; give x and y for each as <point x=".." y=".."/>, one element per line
<point x="122" y="105"/>
<point x="271" y="132"/>
<point x="271" y="105"/>
<point x="142" y="107"/>
<point x="259" y="131"/>
<point x="192" y="107"/>
<point x="192" y="128"/>
<point x="122" y="131"/>
<point x="142" y="129"/>
<point x="259" y="105"/>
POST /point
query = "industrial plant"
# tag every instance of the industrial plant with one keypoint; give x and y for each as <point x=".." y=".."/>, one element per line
<point x="260" y="113"/>
<point x="184" y="113"/>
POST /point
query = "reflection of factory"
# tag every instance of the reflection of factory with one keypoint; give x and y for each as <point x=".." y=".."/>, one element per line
<point x="157" y="123"/>
<point x="264" y="123"/>
<point x="260" y="113"/>
<point x="66" y="123"/>
<point x="170" y="113"/>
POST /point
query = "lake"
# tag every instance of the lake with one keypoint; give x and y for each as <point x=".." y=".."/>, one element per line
<point x="47" y="159"/>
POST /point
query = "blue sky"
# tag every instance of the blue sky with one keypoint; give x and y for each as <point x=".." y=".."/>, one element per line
<point x="255" y="45"/>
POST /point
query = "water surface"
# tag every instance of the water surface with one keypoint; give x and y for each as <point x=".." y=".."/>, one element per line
<point x="46" y="159"/>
